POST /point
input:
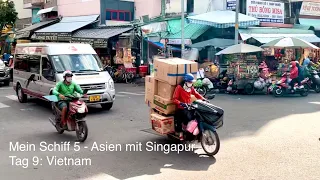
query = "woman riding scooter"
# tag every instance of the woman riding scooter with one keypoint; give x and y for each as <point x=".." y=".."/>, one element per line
<point x="182" y="98"/>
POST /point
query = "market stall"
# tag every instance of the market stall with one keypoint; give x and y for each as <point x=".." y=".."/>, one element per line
<point x="243" y="68"/>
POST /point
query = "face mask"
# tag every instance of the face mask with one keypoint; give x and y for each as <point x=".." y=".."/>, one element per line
<point x="69" y="79"/>
<point x="189" y="85"/>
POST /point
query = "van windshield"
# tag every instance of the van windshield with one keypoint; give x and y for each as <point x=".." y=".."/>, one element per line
<point x="76" y="62"/>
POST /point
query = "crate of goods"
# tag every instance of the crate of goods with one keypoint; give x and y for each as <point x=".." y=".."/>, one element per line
<point x="162" y="124"/>
<point x="164" y="89"/>
<point x="172" y="70"/>
<point x="150" y="90"/>
<point x="155" y="87"/>
<point x="165" y="106"/>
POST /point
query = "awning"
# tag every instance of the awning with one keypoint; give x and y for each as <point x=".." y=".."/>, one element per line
<point x="26" y="32"/>
<point x="191" y="31"/>
<point x="315" y="23"/>
<point x="104" y="33"/>
<point x="47" y="10"/>
<point x="98" y="38"/>
<point x="157" y="27"/>
<point x="265" y="35"/>
<point x="161" y="46"/>
<point x="216" y="42"/>
<point x="63" y="30"/>
<point x="223" y="19"/>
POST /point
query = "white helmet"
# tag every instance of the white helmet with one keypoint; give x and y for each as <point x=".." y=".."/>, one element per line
<point x="67" y="73"/>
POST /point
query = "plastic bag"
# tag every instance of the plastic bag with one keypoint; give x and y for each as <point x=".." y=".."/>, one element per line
<point x="192" y="125"/>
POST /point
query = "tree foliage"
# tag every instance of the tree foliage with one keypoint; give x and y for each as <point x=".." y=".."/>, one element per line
<point x="8" y="13"/>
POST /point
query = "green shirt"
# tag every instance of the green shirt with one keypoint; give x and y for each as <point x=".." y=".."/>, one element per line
<point x="64" y="89"/>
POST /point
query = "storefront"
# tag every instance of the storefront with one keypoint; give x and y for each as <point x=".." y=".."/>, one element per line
<point x="63" y="30"/>
<point x="107" y="43"/>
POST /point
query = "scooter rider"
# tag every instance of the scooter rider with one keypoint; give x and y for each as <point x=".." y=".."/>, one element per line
<point x="182" y="97"/>
<point x="294" y="73"/>
<point x="62" y="89"/>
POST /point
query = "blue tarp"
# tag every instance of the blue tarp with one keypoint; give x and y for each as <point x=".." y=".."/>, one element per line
<point x="160" y="45"/>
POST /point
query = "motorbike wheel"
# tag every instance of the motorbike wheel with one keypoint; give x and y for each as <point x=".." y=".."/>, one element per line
<point x="317" y="88"/>
<point x="202" y="91"/>
<point x="210" y="138"/>
<point x="82" y="131"/>
<point x="278" y="92"/>
<point x="249" y="89"/>
<point x="304" y="92"/>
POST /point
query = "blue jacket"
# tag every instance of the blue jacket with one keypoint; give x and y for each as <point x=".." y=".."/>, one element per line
<point x="300" y="72"/>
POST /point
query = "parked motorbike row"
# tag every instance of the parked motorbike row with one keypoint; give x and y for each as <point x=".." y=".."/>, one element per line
<point x="120" y="75"/>
<point x="223" y="83"/>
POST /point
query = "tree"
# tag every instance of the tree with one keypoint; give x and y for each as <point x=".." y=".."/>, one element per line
<point x="8" y="13"/>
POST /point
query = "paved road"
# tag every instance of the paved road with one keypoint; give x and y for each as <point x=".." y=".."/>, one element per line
<point x="262" y="138"/>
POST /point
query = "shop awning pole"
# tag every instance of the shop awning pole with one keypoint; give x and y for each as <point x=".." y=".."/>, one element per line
<point x="182" y="28"/>
<point x="236" y="25"/>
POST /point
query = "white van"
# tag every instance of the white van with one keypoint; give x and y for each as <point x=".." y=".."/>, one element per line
<point x="39" y="66"/>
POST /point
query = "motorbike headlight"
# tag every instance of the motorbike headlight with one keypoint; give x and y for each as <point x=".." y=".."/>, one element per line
<point x="110" y="84"/>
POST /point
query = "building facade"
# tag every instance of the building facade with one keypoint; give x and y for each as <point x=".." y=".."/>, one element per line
<point x="36" y="6"/>
<point x="24" y="15"/>
<point x="174" y="6"/>
<point x="115" y="10"/>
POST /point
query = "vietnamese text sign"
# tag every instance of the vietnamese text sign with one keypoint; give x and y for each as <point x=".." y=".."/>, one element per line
<point x="310" y="9"/>
<point x="231" y="4"/>
<point x="266" y="11"/>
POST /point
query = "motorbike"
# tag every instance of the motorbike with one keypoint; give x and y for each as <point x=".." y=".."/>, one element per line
<point x="208" y="118"/>
<point x="77" y="111"/>
<point x="314" y="81"/>
<point x="203" y="86"/>
<point x="282" y="87"/>
<point x="111" y="70"/>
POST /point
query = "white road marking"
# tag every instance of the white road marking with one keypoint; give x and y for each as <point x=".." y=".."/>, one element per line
<point x="315" y="103"/>
<point x="12" y="97"/>
<point x="130" y="93"/>
<point x="6" y="88"/>
<point x="120" y="95"/>
<point x="3" y="106"/>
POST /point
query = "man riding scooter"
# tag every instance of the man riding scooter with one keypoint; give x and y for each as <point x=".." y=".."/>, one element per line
<point x="66" y="88"/>
<point x="182" y="98"/>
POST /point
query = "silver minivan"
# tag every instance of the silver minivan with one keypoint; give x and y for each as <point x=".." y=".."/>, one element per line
<point x="39" y="66"/>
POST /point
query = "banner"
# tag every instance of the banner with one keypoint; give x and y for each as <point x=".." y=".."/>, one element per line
<point x="231" y="4"/>
<point x="266" y="11"/>
<point x="310" y="9"/>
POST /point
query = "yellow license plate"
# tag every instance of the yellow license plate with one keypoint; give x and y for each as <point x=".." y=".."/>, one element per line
<point x="94" y="98"/>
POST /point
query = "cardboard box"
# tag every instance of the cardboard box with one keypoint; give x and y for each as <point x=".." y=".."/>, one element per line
<point x="162" y="124"/>
<point x="150" y="90"/>
<point x="165" y="106"/>
<point x="164" y="89"/>
<point x="173" y="70"/>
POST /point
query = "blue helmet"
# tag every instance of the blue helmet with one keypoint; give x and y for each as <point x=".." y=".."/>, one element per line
<point x="188" y="77"/>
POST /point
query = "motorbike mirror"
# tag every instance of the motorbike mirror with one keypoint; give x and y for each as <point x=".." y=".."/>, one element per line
<point x="211" y="96"/>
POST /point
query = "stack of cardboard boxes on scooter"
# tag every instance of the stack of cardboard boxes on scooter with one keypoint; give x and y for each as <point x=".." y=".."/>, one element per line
<point x="159" y="89"/>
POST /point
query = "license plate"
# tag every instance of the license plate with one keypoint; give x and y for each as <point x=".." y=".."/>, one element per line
<point x="316" y="76"/>
<point x="94" y="98"/>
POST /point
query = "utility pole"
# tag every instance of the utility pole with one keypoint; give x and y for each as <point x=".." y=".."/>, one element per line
<point x="103" y="14"/>
<point x="236" y="25"/>
<point x="182" y="28"/>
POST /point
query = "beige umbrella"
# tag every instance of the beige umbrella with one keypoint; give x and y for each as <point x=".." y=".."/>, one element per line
<point x="240" y="49"/>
